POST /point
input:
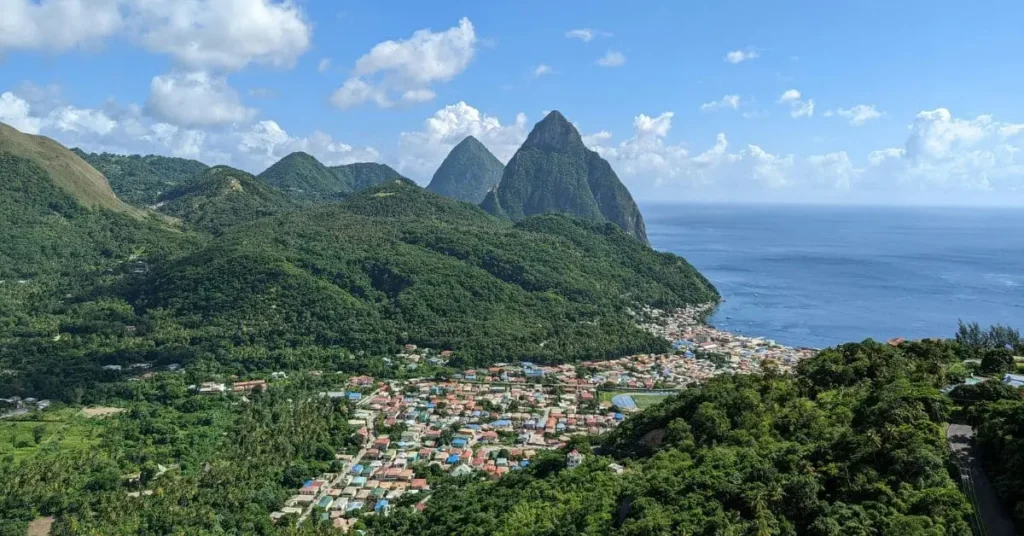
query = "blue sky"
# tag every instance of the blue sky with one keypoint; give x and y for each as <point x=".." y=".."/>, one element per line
<point x="860" y="102"/>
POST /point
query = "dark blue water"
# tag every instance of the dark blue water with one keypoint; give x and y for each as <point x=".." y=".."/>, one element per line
<point x="819" y="276"/>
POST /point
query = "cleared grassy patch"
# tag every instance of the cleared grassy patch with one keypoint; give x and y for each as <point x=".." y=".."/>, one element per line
<point x="66" y="429"/>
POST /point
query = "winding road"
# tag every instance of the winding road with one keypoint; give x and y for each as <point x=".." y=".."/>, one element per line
<point x="975" y="483"/>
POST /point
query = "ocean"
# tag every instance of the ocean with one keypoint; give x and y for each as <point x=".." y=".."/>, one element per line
<point x="817" y="276"/>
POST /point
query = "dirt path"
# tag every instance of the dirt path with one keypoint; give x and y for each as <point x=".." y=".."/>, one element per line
<point x="101" y="411"/>
<point x="40" y="526"/>
<point x="976" y="484"/>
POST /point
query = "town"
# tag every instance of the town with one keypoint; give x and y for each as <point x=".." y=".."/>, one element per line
<point x="494" y="420"/>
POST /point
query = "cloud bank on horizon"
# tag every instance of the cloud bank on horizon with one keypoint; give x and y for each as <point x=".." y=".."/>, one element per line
<point x="404" y="93"/>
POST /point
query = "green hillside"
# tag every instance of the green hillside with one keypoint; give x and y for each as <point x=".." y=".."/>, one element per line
<point x="467" y="173"/>
<point x="396" y="264"/>
<point x="66" y="169"/>
<point x="221" y="197"/>
<point x="46" y="231"/>
<point x="554" y="172"/>
<point x="140" y="180"/>
<point x="304" y="177"/>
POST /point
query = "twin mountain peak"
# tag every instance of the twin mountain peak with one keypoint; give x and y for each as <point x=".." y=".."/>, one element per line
<point x="552" y="172"/>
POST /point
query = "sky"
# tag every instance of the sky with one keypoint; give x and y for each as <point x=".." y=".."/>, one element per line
<point x="908" y="102"/>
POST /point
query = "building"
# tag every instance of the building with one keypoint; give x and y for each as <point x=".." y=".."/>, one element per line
<point x="573" y="459"/>
<point x="1014" y="380"/>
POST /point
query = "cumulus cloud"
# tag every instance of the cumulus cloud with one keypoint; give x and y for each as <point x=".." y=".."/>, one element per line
<point x="14" y="111"/>
<point x="729" y="101"/>
<point x="421" y="152"/>
<point x="412" y="65"/>
<point x="324" y="65"/>
<point x="612" y="59"/>
<point x="586" y="34"/>
<point x="197" y="34"/>
<point x="739" y="56"/>
<point x="857" y="115"/>
<point x="798" y="107"/>
<point x="218" y="34"/>
<point x="58" y="25"/>
<point x="252" y="146"/>
<point x="542" y="70"/>
<point x="196" y="99"/>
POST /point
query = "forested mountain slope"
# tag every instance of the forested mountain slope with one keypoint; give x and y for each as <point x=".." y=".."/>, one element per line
<point x="140" y="180"/>
<point x="554" y="172"/>
<point x="467" y="173"/>
<point x="396" y="264"/>
<point x="221" y="197"/>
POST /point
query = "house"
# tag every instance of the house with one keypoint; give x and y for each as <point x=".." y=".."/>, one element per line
<point x="573" y="459"/>
<point x="1014" y="380"/>
<point x="419" y="484"/>
<point x="462" y="470"/>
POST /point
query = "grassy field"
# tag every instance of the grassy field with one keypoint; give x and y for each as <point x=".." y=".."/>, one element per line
<point x="642" y="401"/>
<point x="22" y="436"/>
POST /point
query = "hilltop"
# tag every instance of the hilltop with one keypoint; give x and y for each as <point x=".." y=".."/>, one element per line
<point x="304" y="177"/>
<point x="140" y="180"/>
<point x="221" y="197"/>
<point x="63" y="167"/>
<point x="467" y="173"/>
<point x="553" y="171"/>
<point x="396" y="264"/>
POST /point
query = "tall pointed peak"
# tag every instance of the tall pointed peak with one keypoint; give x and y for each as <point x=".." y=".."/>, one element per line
<point x="554" y="132"/>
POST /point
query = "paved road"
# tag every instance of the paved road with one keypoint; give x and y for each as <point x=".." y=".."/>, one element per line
<point x="994" y="518"/>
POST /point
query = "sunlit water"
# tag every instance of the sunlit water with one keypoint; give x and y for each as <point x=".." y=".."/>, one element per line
<point x="818" y="276"/>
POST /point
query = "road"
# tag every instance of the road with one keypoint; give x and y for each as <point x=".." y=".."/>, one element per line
<point x="976" y="484"/>
<point x="370" y="438"/>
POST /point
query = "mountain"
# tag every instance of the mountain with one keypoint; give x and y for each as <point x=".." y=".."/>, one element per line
<point x="554" y="171"/>
<point x="221" y="197"/>
<point x="140" y="180"/>
<point x="467" y="173"/>
<point x="396" y="264"/>
<point x="59" y="217"/>
<point x="64" y="168"/>
<point x="303" y="176"/>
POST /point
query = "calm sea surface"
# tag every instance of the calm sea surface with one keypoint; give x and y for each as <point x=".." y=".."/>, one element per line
<point x="818" y="276"/>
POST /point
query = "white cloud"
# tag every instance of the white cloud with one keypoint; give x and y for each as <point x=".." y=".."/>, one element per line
<point x="418" y="95"/>
<point x="198" y="34"/>
<point x="222" y="34"/>
<point x="542" y="70"/>
<point x="859" y="114"/>
<point x="586" y="34"/>
<point x="797" y="106"/>
<point x="788" y="96"/>
<point x="133" y="130"/>
<point x="414" y="65"/>
<point x="355" y="91"/>
<point x="57" y="25"/>
<point x="324" y="65"/>
<point x="612" y="59"/>
<point x="728" y="101"/>
<point x="421" y="152"/>
<point x="85" y="121"/>
<point x="740" y="56"/>
<point x="196" y="99"/>
<point x="15" y="110"/>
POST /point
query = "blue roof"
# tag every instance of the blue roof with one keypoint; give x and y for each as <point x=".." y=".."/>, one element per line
<point x="431" y="405"/>
<point x="357" y="468"/>
<point x="354" y="396"/>
<point x="502" y="422"/>
<point x="307" y="483"/>
<point x="524" y="463"/>
<point x="459" y="442"/>
<point x="381" y="504"/>
<point x="472" y="426"/>
<point x="1014" y="380"/>
<point x="619" y="416"/>
<point x="454" y="458"/>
